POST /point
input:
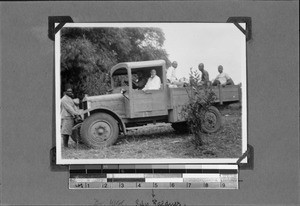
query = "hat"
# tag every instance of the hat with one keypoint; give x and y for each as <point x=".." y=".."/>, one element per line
<point x="69" y="90"/>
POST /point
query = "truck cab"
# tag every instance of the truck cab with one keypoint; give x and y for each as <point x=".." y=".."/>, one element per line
<point x="140" y="103"/>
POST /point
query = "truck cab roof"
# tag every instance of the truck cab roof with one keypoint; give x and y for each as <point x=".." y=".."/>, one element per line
<point x="125" y="67"/>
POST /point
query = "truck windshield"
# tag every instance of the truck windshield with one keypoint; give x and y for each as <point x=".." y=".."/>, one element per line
<point x="140" y="76"/>
<point x="120" y="80"/>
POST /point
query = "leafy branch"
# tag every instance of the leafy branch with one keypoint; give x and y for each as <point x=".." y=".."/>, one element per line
<point x="201" y="97"/>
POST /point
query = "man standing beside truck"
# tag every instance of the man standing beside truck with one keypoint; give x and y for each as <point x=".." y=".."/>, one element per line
<point x="68" y="112"/>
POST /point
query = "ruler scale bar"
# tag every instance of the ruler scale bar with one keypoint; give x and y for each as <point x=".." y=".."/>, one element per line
<point x="152" y="185"/>
<point x="153" y="177"/>
<point x="119" y="168"/>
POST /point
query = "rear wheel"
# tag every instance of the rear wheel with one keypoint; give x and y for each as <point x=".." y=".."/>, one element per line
<point x="99" y="130"/>
<point x="180" y="127"/>
<point x="212" y="120"/>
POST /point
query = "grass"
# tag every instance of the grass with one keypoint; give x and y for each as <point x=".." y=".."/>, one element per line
<point x="161" y="141"/>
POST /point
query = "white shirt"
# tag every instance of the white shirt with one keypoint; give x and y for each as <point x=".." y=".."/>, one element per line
<point x="223" y="77"/>
<point x="171" y="74"/>
<point x="153" y="83"/>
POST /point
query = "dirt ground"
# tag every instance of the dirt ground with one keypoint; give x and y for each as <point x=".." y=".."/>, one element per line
<point x="161" y="141"/>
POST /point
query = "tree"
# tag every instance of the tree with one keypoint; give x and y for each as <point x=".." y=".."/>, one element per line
<point x="87" y="54"/>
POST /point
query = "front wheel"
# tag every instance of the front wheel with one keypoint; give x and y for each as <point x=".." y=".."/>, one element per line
<point x="99" y="130"/>
<point x="212" y="120"/>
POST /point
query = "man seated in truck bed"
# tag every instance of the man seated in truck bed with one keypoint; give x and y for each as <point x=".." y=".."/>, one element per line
<point x="204" y="76"/>
<point x="154" y="82"/>
<point x="173" y="81"/>
<point x="171" y="73"/>
<point x="222" y="78"/>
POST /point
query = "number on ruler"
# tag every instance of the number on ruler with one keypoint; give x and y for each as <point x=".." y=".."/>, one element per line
<point x="138" y="184"/>
<point x="188" y="184"/>
<point x="121" y="185"/>
<point x="79" y="185"/>
<point x="172" y="184"/>
<point x="155" y="184"/>
<point x="87" y="185"/>
<point x="104" y="185"/>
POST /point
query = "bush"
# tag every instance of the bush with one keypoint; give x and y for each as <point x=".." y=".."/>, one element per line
<point x="201" y="98"/>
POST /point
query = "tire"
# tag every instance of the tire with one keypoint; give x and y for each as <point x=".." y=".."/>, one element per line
<point x="99" y="129"/>
<point x="180" y="127"/>
<point x="76" y="137"/>
<point x="212" y="120"/>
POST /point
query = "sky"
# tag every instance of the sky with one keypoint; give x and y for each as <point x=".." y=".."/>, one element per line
<point x="189" y="44"/>
<point x="212" y="44"/>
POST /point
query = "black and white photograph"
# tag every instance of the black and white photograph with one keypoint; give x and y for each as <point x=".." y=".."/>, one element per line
<point x="150" y="93"/>
<point x="141" y="103"/>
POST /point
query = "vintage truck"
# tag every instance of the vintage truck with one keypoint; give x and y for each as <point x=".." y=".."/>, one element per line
<point x="106" y="116"/>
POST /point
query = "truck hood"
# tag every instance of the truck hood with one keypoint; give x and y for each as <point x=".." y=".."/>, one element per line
<point x="104" y="97"/>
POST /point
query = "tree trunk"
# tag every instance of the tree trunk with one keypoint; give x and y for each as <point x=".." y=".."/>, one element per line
<point x="198" y="138"/>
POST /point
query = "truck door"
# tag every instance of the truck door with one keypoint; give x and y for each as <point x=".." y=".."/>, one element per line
<point x="148" y="103"/>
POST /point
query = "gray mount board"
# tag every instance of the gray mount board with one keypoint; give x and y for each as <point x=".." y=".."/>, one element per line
<point x="27" y="100"/>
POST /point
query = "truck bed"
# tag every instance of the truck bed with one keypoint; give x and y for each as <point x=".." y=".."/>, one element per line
<point x="179" y="97"/>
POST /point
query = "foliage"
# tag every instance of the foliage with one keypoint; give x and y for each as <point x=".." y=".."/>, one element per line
<point x="201" y="98"/>
<point x="87" y="54"/>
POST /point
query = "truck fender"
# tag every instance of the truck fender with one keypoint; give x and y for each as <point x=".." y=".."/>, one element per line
<point x="108" y="111"/>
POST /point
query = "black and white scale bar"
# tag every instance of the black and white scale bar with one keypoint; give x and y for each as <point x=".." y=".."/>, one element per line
<point x="74" y="184"/>
<point x="173" y="177"/>
<point x="158" y="181"/>
<point x="94" y="170"/>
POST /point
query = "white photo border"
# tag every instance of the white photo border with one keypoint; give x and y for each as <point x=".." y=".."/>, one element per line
<point x="57" y="56"/>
